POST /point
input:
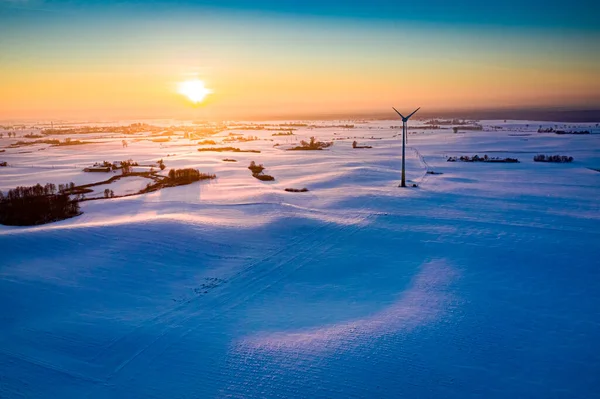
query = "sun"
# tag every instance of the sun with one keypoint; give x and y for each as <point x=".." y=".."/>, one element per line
<point x="194" y="89"/>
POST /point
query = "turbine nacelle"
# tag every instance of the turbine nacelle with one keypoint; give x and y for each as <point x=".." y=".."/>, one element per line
<point x="405" y="118"/>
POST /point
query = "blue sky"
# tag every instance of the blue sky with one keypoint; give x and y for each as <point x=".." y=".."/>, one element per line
<point x="550" y="14"/>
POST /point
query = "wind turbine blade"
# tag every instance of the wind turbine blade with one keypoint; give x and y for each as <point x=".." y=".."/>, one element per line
<point x="401" y="116"/>
<point x="414" y="112"/>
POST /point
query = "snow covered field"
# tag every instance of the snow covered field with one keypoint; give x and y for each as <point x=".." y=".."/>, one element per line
<point x="482" y="282"/>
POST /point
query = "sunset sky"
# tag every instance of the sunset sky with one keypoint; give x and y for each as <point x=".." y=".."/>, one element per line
<point x="125" y="59"/>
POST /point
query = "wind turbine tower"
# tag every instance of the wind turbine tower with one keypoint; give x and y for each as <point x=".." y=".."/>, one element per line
<point x="404" y="120"/>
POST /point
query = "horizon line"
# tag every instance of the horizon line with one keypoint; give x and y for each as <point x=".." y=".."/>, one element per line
<point x="547" y="113"/>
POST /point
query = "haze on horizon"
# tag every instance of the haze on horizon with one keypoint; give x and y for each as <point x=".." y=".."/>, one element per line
<point x="75" y="59"/>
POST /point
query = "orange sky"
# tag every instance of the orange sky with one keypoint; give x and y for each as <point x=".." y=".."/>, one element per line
<point x="262" y="66"/>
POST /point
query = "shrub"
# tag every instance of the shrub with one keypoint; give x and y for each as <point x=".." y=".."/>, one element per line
<point x="126" y="167"/>
<point x="177" y="177"/>
<point x="67" y="141"/>
<point x="188" y="175"/>
<point x="572" y="132"/>
<point x="283" y="134"/>
<point x="296" y="190"/>
<point x="553" y="158"/>
<point x="256" y="169"/>
<point x="311" y="145"/>
<point x="485" y="158"/>
<point x="226" y="149"/>
<point x="25" y="143"/>
<point x="29" y="206"/>
<point x="257" y="172"/>
<point x="229" y="160"/>
<point x="355" y="145"/>
<point x="263" y="177"/>
<point x="238" y="138"/>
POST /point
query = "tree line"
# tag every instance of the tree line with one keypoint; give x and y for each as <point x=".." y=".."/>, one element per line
<point x="34" y="205"/>
<point x="553" y="158"/>
<point x="188" y="175"/>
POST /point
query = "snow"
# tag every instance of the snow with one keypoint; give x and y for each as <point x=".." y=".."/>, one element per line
<point x="481" y="282"/>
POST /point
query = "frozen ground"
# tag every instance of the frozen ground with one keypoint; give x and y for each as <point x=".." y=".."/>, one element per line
<point x="482" y="282"/>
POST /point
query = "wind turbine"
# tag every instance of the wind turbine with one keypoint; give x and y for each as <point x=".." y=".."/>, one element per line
<point x="404" y="120"/>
